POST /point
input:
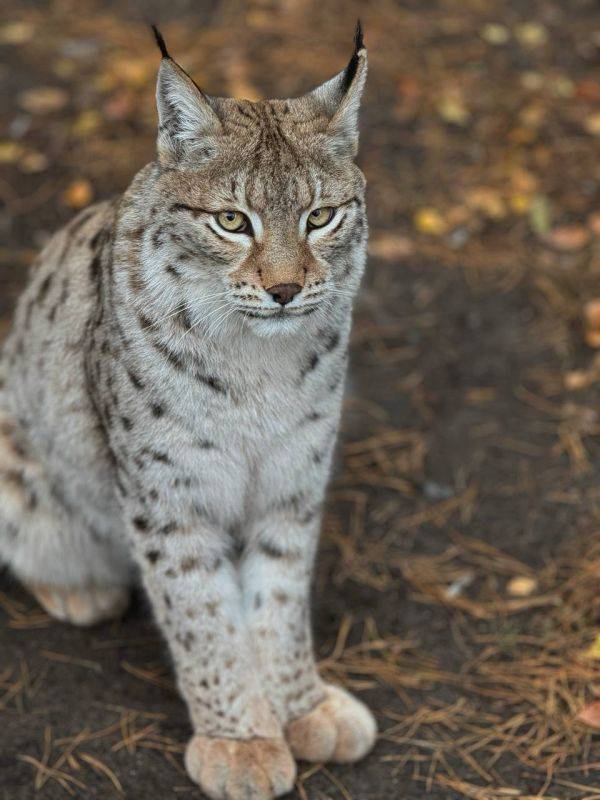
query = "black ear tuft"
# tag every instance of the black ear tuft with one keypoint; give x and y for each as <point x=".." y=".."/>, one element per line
<point x="358" y="37"/>
<point x="350" y="70"/>
<point x="160" y="42"/>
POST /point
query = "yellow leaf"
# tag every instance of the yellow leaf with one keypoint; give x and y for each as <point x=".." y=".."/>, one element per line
<point x="487" y="200"/>
<point x="593" y="650"/>
<point x="520" y="202"/>
<point x="430" y="222"/>
<point x="494" y="33"/>
<point x="521" y="586"/>
<point x="452" y="108"/>
<point x="531" y="34"/>
<point x="86" y="122"/>
<point x="592" y="124"/>
<point x="10" y="152"/>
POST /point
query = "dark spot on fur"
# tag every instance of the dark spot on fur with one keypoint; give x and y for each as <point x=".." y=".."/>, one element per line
<point x="165" y="530"/>
<point x="44" y="287"/>
<point x="140" y="523"/>
<point x="311" y="365"/>
<point x="173" y="358"/>
<point x="157" y="455"/>
<point x="157" y="409"/>
<point x="153" y="556"/>
<point x="212" y="382"/>
<point x="189" y="564"/>
<point x="135" y="381"/>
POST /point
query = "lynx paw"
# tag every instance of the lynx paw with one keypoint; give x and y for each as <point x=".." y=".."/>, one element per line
<point x="230" y="769"/>
<point x="341" y="728"/>
<point x="81" y="606"/>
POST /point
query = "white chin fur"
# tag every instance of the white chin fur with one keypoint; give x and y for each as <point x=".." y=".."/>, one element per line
<point x="277" y="326"/>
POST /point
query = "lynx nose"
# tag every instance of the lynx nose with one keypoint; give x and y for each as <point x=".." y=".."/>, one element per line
<point x="283" y="293"/>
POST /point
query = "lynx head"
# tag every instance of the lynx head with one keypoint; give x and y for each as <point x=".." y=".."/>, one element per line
<point x="264" y="197"/>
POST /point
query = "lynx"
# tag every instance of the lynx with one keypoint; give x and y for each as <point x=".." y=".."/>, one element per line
<point x="169" y="403"/>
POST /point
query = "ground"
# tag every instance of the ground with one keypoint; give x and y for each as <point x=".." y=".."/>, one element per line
<point x="456" y="586"/>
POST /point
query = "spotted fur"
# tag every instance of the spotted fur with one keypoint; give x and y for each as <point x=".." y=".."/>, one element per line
<point x="163" y="413"/>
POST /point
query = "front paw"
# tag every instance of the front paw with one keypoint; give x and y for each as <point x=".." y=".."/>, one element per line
<point x="341" y="729"/>
<point x="234" y="769"/>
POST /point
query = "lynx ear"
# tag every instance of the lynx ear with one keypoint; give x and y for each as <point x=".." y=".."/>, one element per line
<point x="187" y="122"/>
<point x="340" y="96"/>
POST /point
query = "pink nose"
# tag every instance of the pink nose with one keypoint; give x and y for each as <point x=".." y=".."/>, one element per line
<point x="283" y="293"/>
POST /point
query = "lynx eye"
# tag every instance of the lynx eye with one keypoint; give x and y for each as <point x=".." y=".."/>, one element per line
<point x="320" y="217"/>
<point x="232" y="221"/>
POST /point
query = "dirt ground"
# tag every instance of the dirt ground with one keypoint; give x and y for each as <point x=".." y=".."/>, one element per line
<point x="457" y="583"/>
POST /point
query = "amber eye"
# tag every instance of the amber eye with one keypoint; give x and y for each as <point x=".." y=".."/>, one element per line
<point x="233" y="221"/>
<point x="319" y="217"/>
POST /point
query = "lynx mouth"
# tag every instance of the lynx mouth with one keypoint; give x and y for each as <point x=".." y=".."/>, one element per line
<point x="281" y="313"/>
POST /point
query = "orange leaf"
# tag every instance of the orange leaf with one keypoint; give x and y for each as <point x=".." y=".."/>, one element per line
<point x="590" y="715"/>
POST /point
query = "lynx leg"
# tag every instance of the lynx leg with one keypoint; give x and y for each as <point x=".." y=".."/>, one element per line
<point x="78" y="573"/>
<point x="322" y="722"/>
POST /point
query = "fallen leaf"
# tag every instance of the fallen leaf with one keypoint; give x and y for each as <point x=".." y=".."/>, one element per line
<point x="487" y="200"/>
<point x="494" y="33"/>
<point x="452" y="108"/>
<point x="133" y="72"/>
<point x="593" y="650"/>
<point x="16" y="33"/>
<point x="592" y="124"/>
<point x="532" y="81"/>
<point x="539" y="215"/>
<point x="521" y="586"/>
<point x="531" y="34"/>
<point x="43" y="99"/>
<point x="593" y="222"/>
<point x="87" y="122"/>
<point x="391" y="247"/>
<point x="34" y="162"/>
<point x="10" y="152"/>
<point x="120" y="105"/>
<point x="592" y="339"/>
<point x="568" y="237"/>
<point x="563" y="86"/>
<point x="78" y="194"/>
<point x="590" y="715"/>
<point x="588" y="89"/>
<point x="578" y="379"/>
<point x="591" y="314"/>
<point x="520" y="202"/>
<point x="430" y="222"/>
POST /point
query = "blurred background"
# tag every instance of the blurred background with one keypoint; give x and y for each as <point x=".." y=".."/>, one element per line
<point x="457" y="584"/>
